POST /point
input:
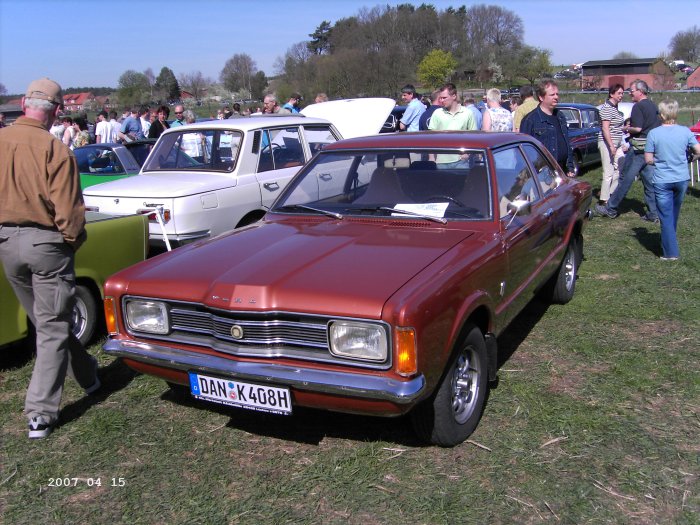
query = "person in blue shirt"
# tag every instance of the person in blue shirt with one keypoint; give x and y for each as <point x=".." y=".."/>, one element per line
<point x="415" y="108"/>
<point x="292" y="105"/>
<point x="666" y="151"/>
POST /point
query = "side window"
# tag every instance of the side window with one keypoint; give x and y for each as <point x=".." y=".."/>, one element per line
<point x="544" y="173"/>
<point x="317" y="137"/>
<point x="280" y="148"/>
<point x="513" y="178"/>
<point x="589" y="118"/>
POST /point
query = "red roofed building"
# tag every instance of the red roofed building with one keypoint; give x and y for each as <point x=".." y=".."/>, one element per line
<point x="693" y="80"/>
<point x="76" y="101"/>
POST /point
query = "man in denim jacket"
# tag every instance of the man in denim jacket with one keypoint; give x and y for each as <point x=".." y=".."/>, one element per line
<point x="548" y="125"/>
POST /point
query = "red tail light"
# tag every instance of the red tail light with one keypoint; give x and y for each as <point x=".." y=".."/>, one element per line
<point x="151" y="214"/>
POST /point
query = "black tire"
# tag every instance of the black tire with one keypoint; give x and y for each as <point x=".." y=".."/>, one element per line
<point x="563" y="283"/>
<point x="578" y="164"/>
<point x="84" y="319"/>
<point x="453" y="412"/>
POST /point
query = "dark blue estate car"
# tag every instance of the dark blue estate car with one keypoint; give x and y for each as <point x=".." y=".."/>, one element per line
<point x="583" y="122"/>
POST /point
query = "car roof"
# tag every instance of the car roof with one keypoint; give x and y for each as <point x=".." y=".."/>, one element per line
<point x="576" y="105"/>
<point x="431" y="139"/>
<point x="250" y="123"/>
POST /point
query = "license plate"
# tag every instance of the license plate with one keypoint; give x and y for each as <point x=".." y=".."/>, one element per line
<point x="239" y="394"/>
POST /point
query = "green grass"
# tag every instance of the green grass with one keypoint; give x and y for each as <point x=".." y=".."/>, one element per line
<point x="595" y="420"/>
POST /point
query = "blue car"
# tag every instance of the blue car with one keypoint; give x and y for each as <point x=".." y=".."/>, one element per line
<point x="583" y="122"/>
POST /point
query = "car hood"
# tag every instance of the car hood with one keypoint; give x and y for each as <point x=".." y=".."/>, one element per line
<point x="355" y="117"/>
<point x="344" y="269"/>
<point x="161" y="185"/>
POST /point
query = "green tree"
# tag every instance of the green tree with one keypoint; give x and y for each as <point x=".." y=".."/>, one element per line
<point x="532" y="63"/>
<point x="166" y="86"/>
<point x="436" y="68"/>
<point x="134" y="88"/>
<point x="319" y="44"/>
<point x="258" y="84"/>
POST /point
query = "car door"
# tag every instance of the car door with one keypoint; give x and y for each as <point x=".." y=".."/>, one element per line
<point x="280" y="155"/>
<point x="590" y="124"/>
<point x="526" y="237"/>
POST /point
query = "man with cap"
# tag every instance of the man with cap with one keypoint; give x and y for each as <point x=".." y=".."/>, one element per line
<point x="42" y="224"/>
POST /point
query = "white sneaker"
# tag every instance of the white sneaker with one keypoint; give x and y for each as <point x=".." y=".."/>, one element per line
<point x="39" y="428"/>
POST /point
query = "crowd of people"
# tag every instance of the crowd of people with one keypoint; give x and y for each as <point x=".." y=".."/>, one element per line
<point x="42" y="213"/>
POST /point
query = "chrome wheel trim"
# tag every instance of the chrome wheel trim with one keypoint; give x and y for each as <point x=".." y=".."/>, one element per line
<point x="78" y="320"/>
<point x="570" y="269"/>
<point x="465" y="385"/>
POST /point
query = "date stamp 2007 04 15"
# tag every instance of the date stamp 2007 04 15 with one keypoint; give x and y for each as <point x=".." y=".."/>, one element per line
<point x="66" y="481"/>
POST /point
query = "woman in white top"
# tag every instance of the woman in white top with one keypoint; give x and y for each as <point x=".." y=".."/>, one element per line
<point x="496" y="117"/>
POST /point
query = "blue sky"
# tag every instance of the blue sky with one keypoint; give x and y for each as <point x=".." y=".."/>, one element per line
<point x="91" y="43"/>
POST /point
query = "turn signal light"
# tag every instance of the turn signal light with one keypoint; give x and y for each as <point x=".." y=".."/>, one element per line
<point x="111" y="316"/>
<point x="406" y="355"/>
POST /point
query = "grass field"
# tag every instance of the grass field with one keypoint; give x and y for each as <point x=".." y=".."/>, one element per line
<point x="595" y="420"/>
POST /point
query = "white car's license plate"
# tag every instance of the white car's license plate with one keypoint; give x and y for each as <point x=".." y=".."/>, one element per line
<point x="239" y="394"/>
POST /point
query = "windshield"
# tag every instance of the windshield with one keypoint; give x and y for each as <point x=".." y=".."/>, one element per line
<point x="195" y="149"/>
<point x="421" y="183"/>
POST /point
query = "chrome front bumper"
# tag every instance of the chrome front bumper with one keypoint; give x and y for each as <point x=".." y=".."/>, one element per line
<point x="309" y="380"/>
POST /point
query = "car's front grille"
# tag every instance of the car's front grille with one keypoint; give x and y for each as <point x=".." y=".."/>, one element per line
<point x="251" y="332"/>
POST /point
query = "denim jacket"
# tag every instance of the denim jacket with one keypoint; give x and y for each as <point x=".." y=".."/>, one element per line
<point x="536" y="125"/>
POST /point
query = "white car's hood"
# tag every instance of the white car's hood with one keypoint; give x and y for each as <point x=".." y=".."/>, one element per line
<point x="354" y="117"/>
<point x="164" y="184"/>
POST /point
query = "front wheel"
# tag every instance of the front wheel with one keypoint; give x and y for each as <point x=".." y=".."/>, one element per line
<point x="578" y="164"/>
<point x="563" y="284"/>
<point x="84" y="318"/>
<point x="453" y="412"/>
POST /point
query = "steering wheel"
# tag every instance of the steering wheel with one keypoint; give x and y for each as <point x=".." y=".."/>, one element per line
<point x="434" y="198"/>
<point x="271" y="147"/>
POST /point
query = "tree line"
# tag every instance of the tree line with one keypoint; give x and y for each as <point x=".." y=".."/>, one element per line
<point x="375" y="52"/>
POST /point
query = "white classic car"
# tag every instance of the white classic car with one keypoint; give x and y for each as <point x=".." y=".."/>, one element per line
<point x="209" y="177"/>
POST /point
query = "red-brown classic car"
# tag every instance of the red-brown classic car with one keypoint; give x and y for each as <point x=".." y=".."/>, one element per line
<point x="377" y="283"/>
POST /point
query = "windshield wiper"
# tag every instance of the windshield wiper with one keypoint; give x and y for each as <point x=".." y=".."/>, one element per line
<point x="441" y="220"/>
<point x="309" y="208"/>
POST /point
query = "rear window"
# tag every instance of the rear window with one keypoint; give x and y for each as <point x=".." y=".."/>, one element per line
<point x="196" y="149"/>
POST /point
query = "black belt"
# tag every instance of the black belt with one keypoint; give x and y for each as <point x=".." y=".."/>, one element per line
<point x="29" y="225"/>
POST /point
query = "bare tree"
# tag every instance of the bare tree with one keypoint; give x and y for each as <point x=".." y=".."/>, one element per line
<point x="195" y="83"/>
<point x="685" y="45"/>
<point x="238" y="72"/>
<point x="151" y="79"/>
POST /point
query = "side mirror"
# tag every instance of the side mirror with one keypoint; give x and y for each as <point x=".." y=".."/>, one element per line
<point x="517" y="207"/>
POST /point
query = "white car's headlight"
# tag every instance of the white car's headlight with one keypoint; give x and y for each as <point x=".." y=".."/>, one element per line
<point x="147" y="316"/>
<point x="358" y="340"/>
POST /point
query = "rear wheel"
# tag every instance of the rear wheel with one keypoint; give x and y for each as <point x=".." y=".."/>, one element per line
<point x="84" y="318"/>
<point x="453" y="412"/>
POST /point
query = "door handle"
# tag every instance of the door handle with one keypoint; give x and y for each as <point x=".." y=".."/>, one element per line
<point x="548" y="213"/>
<point x="325" y="177"/>
<point x="271" y="186"/>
